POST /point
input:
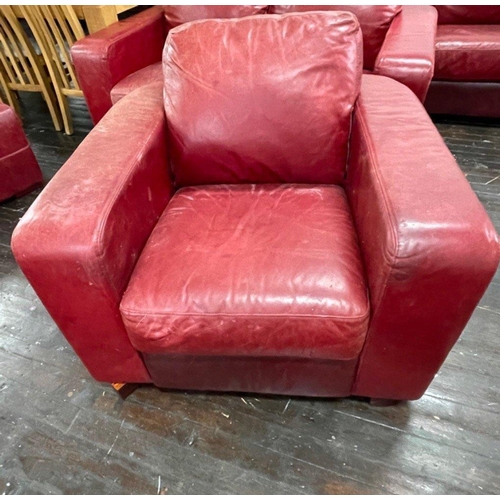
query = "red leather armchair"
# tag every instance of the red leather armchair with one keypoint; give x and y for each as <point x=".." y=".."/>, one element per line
<point x="19" y="170"/>
<point x="299" y="235"/>
<point x="398" y="42"/>
<point x="467" y="75"/>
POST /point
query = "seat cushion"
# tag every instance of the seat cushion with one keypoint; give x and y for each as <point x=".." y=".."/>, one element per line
<point x="152" y="74"/>
<point x="262" y="98"/>
<point x="374" y="20"/>
<point x="250" y="270"/>
<point x="468" y="53"/>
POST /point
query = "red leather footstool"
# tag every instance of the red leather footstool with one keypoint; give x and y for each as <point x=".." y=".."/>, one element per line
<point x="19" y="170"/>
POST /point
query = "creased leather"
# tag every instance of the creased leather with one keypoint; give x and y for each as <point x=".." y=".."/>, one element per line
<point x="90" y="224"/>
<point x="108" y="56"/>
<point x="19" y="169"/>
<point x="374" y="20"/>
<point x="175" y="15"/>
<point x="468" y="53"/>
<point x="239" y="112"/>
<point x="429" y="247"/>
<point x="250" y="270"/>
<point x="407" y="54"/>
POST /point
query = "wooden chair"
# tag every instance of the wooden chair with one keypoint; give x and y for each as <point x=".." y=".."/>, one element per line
<point x="56" y="28"/>
<point x="20" y="66"/>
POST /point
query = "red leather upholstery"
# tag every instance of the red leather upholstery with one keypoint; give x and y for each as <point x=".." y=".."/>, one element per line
<point x="374" y="20"/>
<point x="468" y="53"/>
<point x="19" y="170"/>
<point x="468" y="14"/>
<point x="132" y="48"/>
<point x="275" y="116"/>
<point x="175" y="15"/>
<point x="250" y="270"/>
<point x="467" y="74"/>
<point x="90" y="224"/>
<point x="407" y="54"/>
<point x="108" y="56"/>
<point x="212" y="265"/>
<point x="423" y="234"/>
<point x="150" y="75"/>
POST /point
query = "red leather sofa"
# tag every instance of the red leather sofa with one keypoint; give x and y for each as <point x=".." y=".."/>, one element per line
<point x="398" y="42"/>
<point x="19" y="170"/>
<point x="278" y="223"/>
<point x="467" y="74"/>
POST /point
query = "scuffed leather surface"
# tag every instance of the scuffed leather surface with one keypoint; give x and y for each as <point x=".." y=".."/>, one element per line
<point x="108" y="56"/>
<point x="407" y="54"/>
<point x="150" y="75"/>
<point x="241" y="112"/>
<point x="250" y="270"/>
<point x="464" y="98"/>
<point x="374" y="20"/>
<point x="429" y="247"/>
<point x="274" y="375"/>
<point x="90" y="224"/>
<point x="468" y="14"/>
<point x="468" y="53"/>
<point x="176" y="15"/>
<point x="19" y="170"/>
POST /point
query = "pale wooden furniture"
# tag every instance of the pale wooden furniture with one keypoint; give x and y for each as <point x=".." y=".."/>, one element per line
<point x="56" y="28"/>
<point x="97" y="17"/>
<point x="21" y="67"/>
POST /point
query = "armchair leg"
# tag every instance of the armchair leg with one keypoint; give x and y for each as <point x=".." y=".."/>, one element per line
<point x="124" y="390"/>
<point x="383" y="402"/>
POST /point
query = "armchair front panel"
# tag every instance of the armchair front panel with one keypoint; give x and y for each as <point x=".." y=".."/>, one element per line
<point x="430" y="249"/>
<point x="79" y="241"/>
<point x="262" y="98"/>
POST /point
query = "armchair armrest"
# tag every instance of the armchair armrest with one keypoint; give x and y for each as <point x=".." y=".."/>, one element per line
<point x="429" y="247"/>
<point x="79" y="241"/>
<point x="106" y="57"/>
<point x="407" y="54"/>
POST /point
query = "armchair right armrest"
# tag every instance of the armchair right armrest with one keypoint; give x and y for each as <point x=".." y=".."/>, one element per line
<point x="429" y="248"/>
<point x="106" y="57"/>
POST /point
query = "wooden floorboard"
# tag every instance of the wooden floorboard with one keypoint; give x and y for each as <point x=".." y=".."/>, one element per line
<point x="62" y="432"/>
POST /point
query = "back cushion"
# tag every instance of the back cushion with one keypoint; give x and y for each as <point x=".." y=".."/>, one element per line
<point x="468" y="14"/>
<point x="261" y="99"/>
<point x="176" y="15"/>
<point x="374" y="20"/>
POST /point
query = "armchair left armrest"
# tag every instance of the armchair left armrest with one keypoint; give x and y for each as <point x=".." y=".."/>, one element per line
<point x="407" y="54"/>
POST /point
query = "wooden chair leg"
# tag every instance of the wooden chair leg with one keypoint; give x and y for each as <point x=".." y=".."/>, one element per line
<point x="123" y="389"/>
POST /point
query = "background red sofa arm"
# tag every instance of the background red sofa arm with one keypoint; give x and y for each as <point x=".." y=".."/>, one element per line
<point x="79" y="241"/>
<point x="429" y="247"/>
<point x="407" y="54"/>
<point x="103" y="59"/>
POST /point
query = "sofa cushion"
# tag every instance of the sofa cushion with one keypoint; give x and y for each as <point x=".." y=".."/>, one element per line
<point x="152" y="74"/>
<point x="250" y="270"/>
<point x="468" y="14"/>
<point x="175" y="15"/>
<point x="262" y="98"/>
<point x="468" y="53"/>
<point x="373" y="19"/>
